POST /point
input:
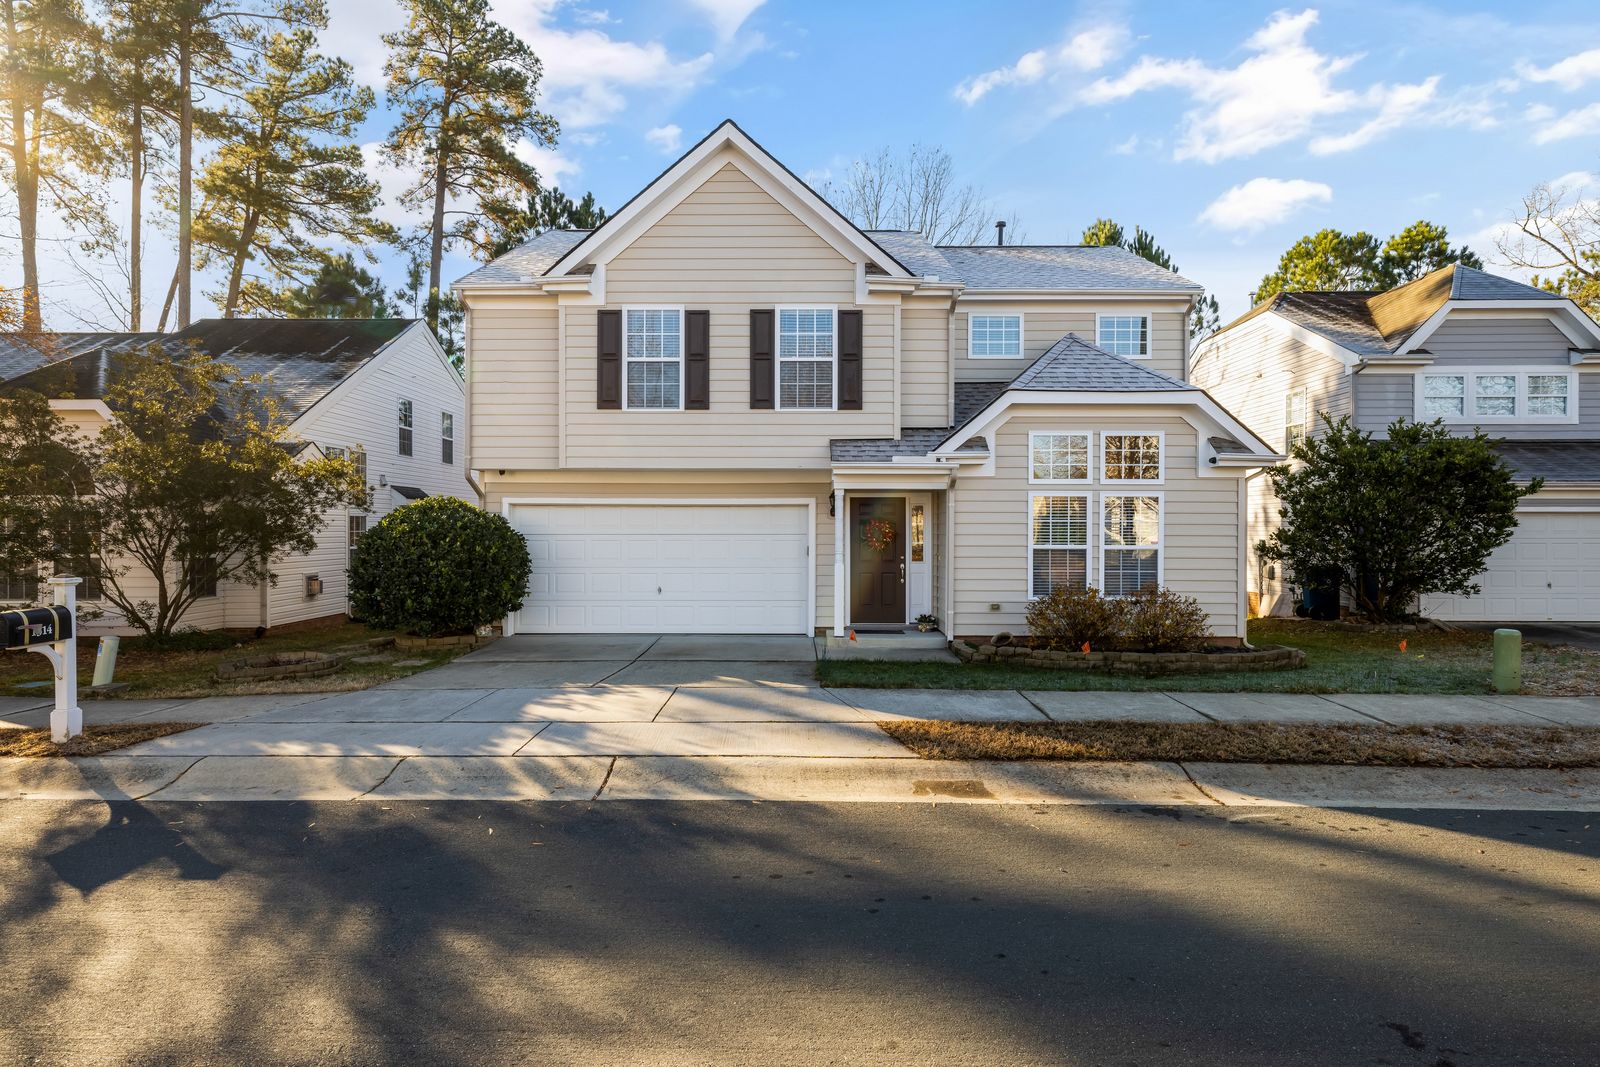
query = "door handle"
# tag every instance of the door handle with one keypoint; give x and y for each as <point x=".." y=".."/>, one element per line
<point x="902" y="572"/>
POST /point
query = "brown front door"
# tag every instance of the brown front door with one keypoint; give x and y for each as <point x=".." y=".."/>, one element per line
<point x="877" y="559"/>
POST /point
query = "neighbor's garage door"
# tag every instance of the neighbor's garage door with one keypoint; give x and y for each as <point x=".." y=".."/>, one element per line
<point x="652" y="568"/>
<point x="1548" y="572"/>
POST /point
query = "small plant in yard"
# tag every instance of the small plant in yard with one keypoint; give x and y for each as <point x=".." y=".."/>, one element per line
<point x="1161" y="620"/>
<point x="927" y="622"/>
<point x="1067" y="619"/>
<point x="439" y="566"/>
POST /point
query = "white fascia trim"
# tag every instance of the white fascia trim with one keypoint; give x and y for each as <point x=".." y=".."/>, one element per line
<point x="1563" y="315"/>
<point x="96" y="406"/>
<point x="688" y="173"/>
<point x="1180" y="296"/>
<point x="982" y="425"/>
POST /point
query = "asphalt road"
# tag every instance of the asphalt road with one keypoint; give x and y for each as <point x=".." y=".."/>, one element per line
<point x="793" y="934"/>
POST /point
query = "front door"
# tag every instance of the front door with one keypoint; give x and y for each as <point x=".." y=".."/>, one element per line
<point x="877" y="560"/>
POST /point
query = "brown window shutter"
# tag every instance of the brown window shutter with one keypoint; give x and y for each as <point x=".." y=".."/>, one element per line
<point x="849" y="361"/>
<point x="608" y="361"/>
<point x="697" y="360"/>
<point x="761" y="361"/>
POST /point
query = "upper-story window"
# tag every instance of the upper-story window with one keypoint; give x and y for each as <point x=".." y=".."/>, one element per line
<point x="1296" y="419"/>
<point x="447" y="437"/>
<point x="406" y="422"/>
<point x="806" y="352"/>
<point x="1497" y="395"/>
<point x="1131" y="457"/>
<point x="1058" y="457"/>
<point x="994" y="336"/>
<point x="1124" y="335"/>
<point x="653" y="346"/>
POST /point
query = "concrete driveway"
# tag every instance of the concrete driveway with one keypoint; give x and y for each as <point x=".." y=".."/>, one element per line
<point x="1580" y="635"/>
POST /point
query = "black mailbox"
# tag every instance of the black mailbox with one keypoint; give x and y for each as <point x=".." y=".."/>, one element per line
<point x="34" y="626"/>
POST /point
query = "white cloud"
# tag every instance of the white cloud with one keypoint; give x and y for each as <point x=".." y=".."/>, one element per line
<point x="1281" y="92"/>
<point x="1126" y="148"/>
<point x="554" y="168"/>
<point x="1581" y="122"/>
<point x="1570" y="73"/>
<point x="727" y="15"/>
<point x="667" y="138"/>
<point x="1084" y="51"/>
<point x="1262" y="202"/>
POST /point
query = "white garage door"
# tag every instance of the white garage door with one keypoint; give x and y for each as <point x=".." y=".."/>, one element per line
<point x="1548" y="572"/>
<point x="665" y="568"/>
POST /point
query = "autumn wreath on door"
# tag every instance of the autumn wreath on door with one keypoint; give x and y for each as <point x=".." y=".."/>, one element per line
<point x="879" y="535"/>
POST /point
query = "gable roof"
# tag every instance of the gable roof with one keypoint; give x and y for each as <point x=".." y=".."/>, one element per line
<point x="1061" y="267"/>
<point x="1074" y="365"/>
<point x="527" y="261"/>
<point x="21" y="353"/>
<point x="302" y="359"/>
<point x="1379" y="323"/>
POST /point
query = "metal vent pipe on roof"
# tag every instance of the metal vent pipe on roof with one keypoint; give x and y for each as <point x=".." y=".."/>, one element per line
<point x="1000" y="232"/>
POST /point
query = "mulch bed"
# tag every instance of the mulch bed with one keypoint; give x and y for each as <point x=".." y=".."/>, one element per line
<point x="1217" y="742"/>
<point x="92" y="742"/>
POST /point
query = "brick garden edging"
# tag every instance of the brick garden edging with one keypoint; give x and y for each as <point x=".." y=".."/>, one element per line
<point x="279" y="665"/>
<point x="410" y="643"/>
<point x="1265" y="658"/>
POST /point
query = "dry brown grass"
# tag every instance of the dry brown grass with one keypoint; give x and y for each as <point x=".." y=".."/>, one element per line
<point x="92" y="742"/>
<point x="1222" y="742"/>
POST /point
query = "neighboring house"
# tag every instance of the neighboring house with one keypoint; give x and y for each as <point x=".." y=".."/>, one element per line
<point x="1473" y="349"/>
<point x="379" y="390"/>
<point x="730" y="410"/>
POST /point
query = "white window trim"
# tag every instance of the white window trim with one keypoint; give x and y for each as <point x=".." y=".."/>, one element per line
<point x="1161" y="444"/>
<point x="1022" y="333"/>
<point x="778" y="360"/>
<point x="1089" y="448"/>
<point x="1100" y="536"/>
<point x="1091" y="520"/>
<point x="1470" y="373"/>
<point x="1129" y="313"/>
<point x="405" y="418"/>
<point x="683" y="341"/>
<point x="1289" y="398"/>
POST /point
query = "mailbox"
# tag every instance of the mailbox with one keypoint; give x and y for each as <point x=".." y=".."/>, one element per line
<point x="23" y="627"/>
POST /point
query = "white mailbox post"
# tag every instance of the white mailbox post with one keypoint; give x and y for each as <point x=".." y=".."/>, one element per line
<point x="52" y="632"/>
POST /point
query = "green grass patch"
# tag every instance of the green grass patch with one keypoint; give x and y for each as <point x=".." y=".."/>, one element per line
<point x="1337" y="661"/>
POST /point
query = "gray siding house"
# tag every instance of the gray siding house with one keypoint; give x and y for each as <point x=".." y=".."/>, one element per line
<point x="1471" y="348"/>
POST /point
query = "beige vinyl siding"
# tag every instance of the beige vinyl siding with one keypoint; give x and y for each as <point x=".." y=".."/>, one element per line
<point x="1251" y="372"/>
<point x="991" y="518"/>
<point x="1045" y="323"/>
<point x="925" y="364"/>
<point x="513" y="378"/>
<point x="716" y="251"/>
<point x="622" y="486"/>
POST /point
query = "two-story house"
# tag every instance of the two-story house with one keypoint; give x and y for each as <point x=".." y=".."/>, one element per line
<point x="380" y="391"/>
<point x="729" y="410"/>
<point x="1470" y="348"/>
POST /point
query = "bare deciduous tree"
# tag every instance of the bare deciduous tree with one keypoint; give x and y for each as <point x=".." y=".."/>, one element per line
<point x="916" y="190"/>
<point x="1559" y="236"/>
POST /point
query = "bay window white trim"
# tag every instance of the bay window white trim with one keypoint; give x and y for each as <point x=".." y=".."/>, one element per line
<point x="1022" y="337"/>
<point x="1088" y="457"/>
<point x="628" y="359"/>
<point x="778" y="358"/>
<point x="1161" y="457"/>
<point x="1470" y="395"/>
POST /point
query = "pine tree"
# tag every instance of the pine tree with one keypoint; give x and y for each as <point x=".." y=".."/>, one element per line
<point x="1205" y="318"/>
<point x="548" y="209"/>
<point x="342" y="289"/>
<point x="465" y="89"/>
<point x="290" y="174"/>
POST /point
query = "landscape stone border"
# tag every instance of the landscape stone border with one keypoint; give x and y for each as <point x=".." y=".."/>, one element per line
<point x="410" y="643"/>
<point x="272" y="665"/>
<point x="1263" y="658"/>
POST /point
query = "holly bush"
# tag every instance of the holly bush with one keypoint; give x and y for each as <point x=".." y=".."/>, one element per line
<point x="438" y="566"/>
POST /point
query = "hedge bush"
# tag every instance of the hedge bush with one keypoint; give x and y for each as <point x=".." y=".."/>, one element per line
<point x="439" y="566"/>
<point x="1153" y="620"/>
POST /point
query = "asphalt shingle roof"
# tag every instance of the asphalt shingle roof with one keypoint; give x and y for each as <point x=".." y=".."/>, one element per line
<point x="21" y="353"/>
<point x="1060" y="267"/>
<point x="528" y="261"/>
<point x="914" y="253"/>
<point x="1074" y="364"/>
<point x="970" y="398"/>
<point x="1554" y="461"/>
<point x="303" y="359"/>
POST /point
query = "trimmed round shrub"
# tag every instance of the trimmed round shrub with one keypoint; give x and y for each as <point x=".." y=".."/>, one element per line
<point x="1160" y="620"/>
<point x="439" y="566"/>
<point x="1067" y="619"/>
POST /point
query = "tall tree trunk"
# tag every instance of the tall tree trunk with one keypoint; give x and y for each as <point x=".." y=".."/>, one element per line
<point x="436" y="238"/>
<point x="27" y="183"/>
<point x="236" y="272"/>
<point x="185" y="149"/>
<point x="135" y="217"/>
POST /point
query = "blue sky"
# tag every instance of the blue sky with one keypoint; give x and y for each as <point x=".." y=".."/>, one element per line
<point x="1226" y="129"/>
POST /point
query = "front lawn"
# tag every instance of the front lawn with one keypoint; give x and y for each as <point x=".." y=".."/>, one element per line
<point x="94" y="740"/>
<point x="185" y="667"/>
<point x="1337" y="661"/>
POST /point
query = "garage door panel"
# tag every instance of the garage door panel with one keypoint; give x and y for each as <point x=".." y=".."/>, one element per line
<point x="1548" y="572"/>
<point x="618" y="568"/>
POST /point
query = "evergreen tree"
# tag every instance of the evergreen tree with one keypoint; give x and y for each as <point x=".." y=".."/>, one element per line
<point x="1205" y="318"/>
<point x="342" y="289"/>
<point x="548" y="209"/>
<point x="465" y="89"/>
<point x="289" y="175"/>
<point x="1330" y="260"/>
